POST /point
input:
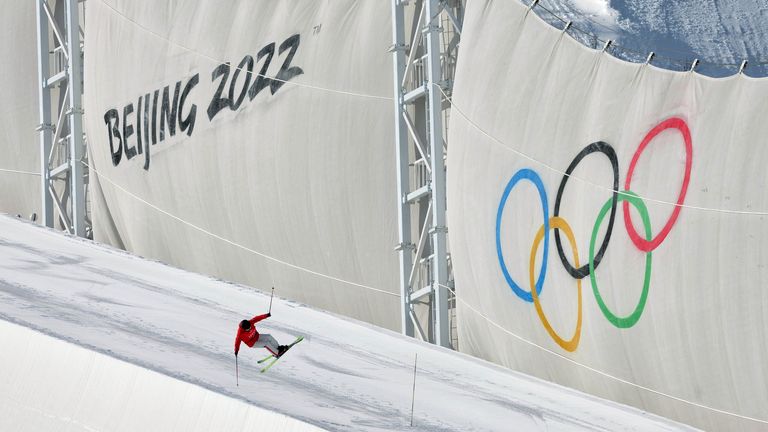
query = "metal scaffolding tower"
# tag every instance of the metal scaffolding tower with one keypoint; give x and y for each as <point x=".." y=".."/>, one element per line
<point x="62" y="144"/>
<point x="423" y="71"/>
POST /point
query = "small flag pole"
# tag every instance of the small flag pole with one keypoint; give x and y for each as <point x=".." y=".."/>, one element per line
<point x="413" y="393"/>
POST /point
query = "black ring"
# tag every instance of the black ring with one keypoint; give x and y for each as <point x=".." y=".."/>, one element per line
<point x="607" y="150"/>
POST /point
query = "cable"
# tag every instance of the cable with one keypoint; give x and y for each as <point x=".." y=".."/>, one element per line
<point x="453" y="105"/>
<point x="642" y="54"/>
<point x="218" y="61"/>
<point x="585" y="181"/>
<point x="597" y="371"/>
<point x="19" y="172"/>
<point x="684" y="64"/>
<point x="230" y="242"/>
<point x="397" y="295"/>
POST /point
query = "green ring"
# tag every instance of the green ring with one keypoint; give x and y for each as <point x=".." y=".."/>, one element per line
<point x="630" y="320"/>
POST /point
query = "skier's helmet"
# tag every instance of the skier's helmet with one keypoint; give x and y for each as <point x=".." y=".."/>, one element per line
<point x="245" y="325"/>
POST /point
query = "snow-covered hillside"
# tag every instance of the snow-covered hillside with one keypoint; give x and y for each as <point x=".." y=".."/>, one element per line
<point x="347" y="376"/>
<point x="713" y="31"/>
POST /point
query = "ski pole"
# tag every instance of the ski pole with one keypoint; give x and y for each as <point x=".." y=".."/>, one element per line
<point x="270" y="300"/>
<point x="237" y="372"/>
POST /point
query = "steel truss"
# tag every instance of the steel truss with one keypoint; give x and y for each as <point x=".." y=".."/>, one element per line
<point x="424" y="64"/>
<point x="62" y="144"/>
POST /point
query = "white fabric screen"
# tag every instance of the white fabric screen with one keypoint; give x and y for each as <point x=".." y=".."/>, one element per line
<point x="528" y="97"/>
<point x="302" y="172"/>
<point x="19" y="143"/>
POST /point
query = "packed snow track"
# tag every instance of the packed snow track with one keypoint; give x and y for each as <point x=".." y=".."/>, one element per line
<point x="97" y="339"/>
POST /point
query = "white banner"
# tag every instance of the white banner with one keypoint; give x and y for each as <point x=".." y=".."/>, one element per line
<point x="20" y="190"/>
<point x="266" y="127"/>
<point x="665" y="307"/>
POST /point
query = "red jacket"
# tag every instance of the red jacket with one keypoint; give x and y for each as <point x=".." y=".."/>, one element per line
<point x="249" y="337"/>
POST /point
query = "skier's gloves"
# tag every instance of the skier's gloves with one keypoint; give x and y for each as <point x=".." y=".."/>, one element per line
<point x="269" y="314"/>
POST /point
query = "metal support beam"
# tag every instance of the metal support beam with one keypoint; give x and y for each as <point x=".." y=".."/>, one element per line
<point x="421" y="293"/>
<point x="54" y="27"/>
<point x="418" y="194"/>
<point x="414" y="41"/>
<point x="58" y="170"/>
<point x="420" y="68"/>
<point x="61" y="76"/>
<point x="401" y="141"/>
<point x="44" y="105"/>
<point x="76" y="143"/>
<point x="414" y="94"/>
<point x="416" y="140"/>
<point x="420" y="248"/>
<point x="62" y="145"/>
<point x="439" y="233"/>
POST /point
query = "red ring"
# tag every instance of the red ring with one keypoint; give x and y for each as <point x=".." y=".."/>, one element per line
<point x="679" y="124"/>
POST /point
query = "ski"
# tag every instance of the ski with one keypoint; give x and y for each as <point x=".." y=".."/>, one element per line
<point x="265" y="359"/>
<point x="269" y="365"/>
<point x="275" y="358"/>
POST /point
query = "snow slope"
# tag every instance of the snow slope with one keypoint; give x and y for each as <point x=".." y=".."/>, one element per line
<point x="714" y="31"/>
<point x="95" y="392"/>
<point x="347" y="376"/>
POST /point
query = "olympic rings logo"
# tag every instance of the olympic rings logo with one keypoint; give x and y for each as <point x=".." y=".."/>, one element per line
<point x="646" y="244"/>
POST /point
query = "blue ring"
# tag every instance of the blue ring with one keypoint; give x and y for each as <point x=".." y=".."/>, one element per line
<point x="524" y="174"/>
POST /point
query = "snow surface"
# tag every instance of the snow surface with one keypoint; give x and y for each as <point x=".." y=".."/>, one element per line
<point x="94" y="392"/>
<point x="346" y="375"/>
<point x="713" y="31"/>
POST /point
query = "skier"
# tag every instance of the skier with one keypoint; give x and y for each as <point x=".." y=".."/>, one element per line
<point x="247" y="333"/>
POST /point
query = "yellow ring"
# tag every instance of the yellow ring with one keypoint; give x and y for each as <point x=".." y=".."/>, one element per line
<point x="557" y="223"/>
